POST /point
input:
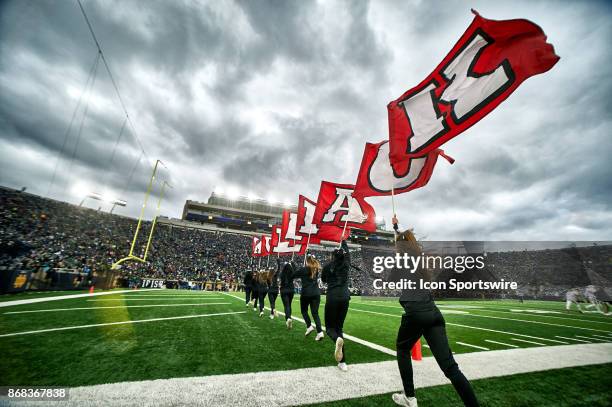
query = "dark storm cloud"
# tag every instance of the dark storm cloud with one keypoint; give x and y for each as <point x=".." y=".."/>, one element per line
<point x="273" y="96"/>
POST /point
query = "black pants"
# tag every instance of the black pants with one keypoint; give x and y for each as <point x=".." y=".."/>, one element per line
<point x="287" y="298"/>
<point x="335" y="314"/>
<point x="247" y="293"/>
<point x="255" y="296"/>
<point x="312" y="302"/>
<point x="272" y="295"/>
<point x="426" y="320"/>
<point x="262" y="297"/>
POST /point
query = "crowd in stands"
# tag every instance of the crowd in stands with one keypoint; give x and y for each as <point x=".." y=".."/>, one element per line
<point x="43" y="235"/>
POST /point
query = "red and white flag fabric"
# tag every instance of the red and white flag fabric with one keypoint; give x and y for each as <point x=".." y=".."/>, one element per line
<point x="305" y="226"/>
<point x="288" y="227"/>
<point x="283" y="247"/>
<point x="490" y="60"/>
<point x="257" y="247"/>
<point x="266" y="248"/>
<point x="337" y="207"/>
<point x="377" y="178"/>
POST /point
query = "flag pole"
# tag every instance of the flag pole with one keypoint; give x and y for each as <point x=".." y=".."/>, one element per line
<point x="293" y="252"/>
<point x="346" y="221"/>
<point x="393" y="205"/>
<point x="307" y="243"/>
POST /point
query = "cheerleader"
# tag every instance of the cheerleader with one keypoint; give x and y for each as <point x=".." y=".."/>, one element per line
<point x="423" y="318"/>
<point x="311" y="295"/>
<point x="255" y="289"/>
<point x="286" y="290"/>
<point x="273" y="290"/>
<point x="336" y="275"/>
<point x="248" y="286"/>
<point x="262" y="290"/>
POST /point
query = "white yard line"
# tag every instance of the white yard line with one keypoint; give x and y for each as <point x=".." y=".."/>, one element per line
<point x="61" y="297"/>
<point x="601" y="336"/>
<point x="118" y="306"/>
<point x="539" y="322"/>
<point x="325" y="384"/>
<point x="501" y="343"/>
<point x="66" y="328"/>
<point x="523" y="340"/>
<point x="470" y="327"/>
<point x="529" y="314"/>
<point x="346" y="336"/>
<point x="572" y="339"/>
<point x="589" y="338"/>
<point x="472" y="346"/>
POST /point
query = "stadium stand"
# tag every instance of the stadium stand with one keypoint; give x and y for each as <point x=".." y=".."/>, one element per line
<point x="47" y="244"/>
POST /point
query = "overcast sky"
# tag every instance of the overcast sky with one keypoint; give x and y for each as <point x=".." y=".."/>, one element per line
<point x="273" y="97"/>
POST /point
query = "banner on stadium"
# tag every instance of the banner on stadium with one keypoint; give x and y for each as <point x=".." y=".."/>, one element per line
<point x="337" y="207"/>
<point x="152" y="283"/>
<point x="490" y="60"/>
<point x="377" y="178"/>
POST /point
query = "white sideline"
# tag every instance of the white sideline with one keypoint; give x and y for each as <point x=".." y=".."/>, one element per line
<point x="360" y="341"/>
<point x="325" y="384"/>
<point x="66" y="328"/>
<point x="64" y="297"/>
<point x="115" y="306"/>
<point x="155" y="299"/>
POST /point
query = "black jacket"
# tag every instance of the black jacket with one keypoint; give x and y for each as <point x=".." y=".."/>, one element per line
<point x="336" y="275"/>
<point x="286" y="278"/>
<point x="418" y="297"/>
<point x="310" y="286"/>
<point x="248" y="279"/>
<point x="273" y="286"/>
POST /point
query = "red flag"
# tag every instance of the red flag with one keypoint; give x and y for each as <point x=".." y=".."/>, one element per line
<point x="376" y="176"/>
<point x="256" y="247"/>
<point x="288" y="227"/>
<point x="266" y="248"/>
<point x="305" y="225"/>
<point x="490" y="60"/>
<point x="280" y="246"/>
<point x="336" y="207"/>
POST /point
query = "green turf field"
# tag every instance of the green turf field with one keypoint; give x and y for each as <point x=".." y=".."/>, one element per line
<point x="171" y="333"/>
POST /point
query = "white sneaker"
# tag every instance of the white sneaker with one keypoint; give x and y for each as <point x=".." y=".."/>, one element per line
<point x="338" y="352"/>
<point x="342" y="366"/>
<point x="272" y="315"/>
<point x="261" y="314"/>
<point x="289" y="323"/>
<point x="309" y="330"/>
<point x="254" y="308"/>
<point x="402" y="400"/>
<point x="319" y="336"/>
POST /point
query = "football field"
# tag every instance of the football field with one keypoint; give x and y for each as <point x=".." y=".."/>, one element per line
<point x="58" y="339"/>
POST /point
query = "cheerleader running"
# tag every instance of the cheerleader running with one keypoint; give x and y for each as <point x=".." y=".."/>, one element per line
<point x="262" y="290"/>
<point x="311" y="295"/>
<point x="273" y="290"/>
<point x="423" y="318"/>
<point x="286" y="290"/>
<point x="248" y="286"/>
<point x="336" y="275"/>
<point x="255" y="288"/>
